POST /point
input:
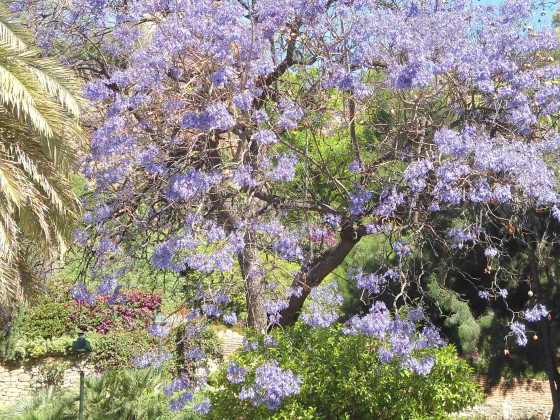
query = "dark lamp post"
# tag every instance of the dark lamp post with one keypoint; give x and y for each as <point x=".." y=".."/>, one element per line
<point x="81" y="346"/>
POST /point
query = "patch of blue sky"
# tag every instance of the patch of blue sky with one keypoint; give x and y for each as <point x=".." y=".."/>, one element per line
<point x="539" y="18"/>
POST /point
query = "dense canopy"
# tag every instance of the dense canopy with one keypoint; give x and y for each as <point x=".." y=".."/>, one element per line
<point x="254" y="143"/>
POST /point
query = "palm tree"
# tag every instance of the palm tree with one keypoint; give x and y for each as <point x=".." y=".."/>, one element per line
<point x="127" y="394"/>
<point x="39" y="129"/>
<point x="47" y="404"/>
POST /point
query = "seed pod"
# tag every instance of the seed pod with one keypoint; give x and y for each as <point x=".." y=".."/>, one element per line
<point x="535" y="337"/>
<point x="511" y="228"/>
<point x="530" y="293"/>
<point x="549" y="317"/>
<point x="506" y="352"/>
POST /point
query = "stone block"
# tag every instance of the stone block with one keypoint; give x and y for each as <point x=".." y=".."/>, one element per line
<point x="24" y="377"/>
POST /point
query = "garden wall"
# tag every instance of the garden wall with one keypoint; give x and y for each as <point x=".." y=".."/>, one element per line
<point x="18" y="381"/>
<point x="513" y="399"/>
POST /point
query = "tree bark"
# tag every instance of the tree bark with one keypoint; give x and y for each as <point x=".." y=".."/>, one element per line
<point x="255" y="287"/>
<point x="319" y="268"/>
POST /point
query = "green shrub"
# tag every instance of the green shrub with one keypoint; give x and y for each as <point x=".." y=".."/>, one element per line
<point x="117" y="350"/>
<point x="343" y="379"/>
<point x="46" y="319"/>
<point x="127" y="394"/>
<point x="48" y="404"/>
<point x="117" y="332"/>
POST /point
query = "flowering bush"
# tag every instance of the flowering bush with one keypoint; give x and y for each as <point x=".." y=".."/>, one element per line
<point x="322" y="373"/>
<point x="116" y="331"/>
<point x="134" y="310"/>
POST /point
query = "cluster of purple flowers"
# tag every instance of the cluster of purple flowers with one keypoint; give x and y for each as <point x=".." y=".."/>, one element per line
<point x="230" y="318"/>
<point x="283" y="241"/>
<point x="358" y="199"/>
<point x="490" y="252"/>
<point x="369" y="282"/>
<point x="152" y="359"/>
<point x="416" y="173"/>
<point x="272" y="384"/>
<point x="519" y="330"/>
<point x="461" y="237"/>
<point x="401" y="248"/>
<point x="215" y="116"/>
<point x="390" y="200"/>
<point x="242" y="176"/>
<point x="291" y="113"/>
<point x="273" y="309"/>
<point x="186" y="186"/>
<point x="355" y="167"/>
<point x="157" y="330"/>
<point x="195" y="353"/>
<point x="397" y="337"/>
<point x="285" y="169"/>
<point x="265" y="136"/>
<point x="332" y="219"/>
<point x="536" y="313"/>
<point x="484" y="294"/>
<point x="202" y="407"/>
<point x="322" y="311"/>
<point x="80" y="293"/>
<point x="235" y="373"/>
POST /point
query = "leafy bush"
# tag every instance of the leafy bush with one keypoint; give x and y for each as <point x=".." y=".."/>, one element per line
<point x="116" y="331"/>
<point x="117" y="350"/>
<point x="48" y="404"/>
<point x="55" y="316"/>
<point x="343" y="378"/>
<point x="46" y="319"/>
<point x="23" y="349"/>
<point x="126" y="394"/>
<point x="114" y="350"/>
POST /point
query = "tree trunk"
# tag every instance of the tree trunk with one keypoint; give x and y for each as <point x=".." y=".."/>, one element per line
<point x="255" y="288"/>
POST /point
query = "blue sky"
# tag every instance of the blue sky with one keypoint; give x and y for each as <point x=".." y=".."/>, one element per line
<point x="549" y="6"/>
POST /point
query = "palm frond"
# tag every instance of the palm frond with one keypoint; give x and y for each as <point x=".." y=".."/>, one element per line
<point x="11" y="32"/>
<point x="40" y="107"/>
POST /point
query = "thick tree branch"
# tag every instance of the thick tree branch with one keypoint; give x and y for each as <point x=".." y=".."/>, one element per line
<point x="319" y="268"/>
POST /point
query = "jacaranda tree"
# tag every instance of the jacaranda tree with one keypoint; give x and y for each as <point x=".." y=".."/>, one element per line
<point x="260" y="141"/>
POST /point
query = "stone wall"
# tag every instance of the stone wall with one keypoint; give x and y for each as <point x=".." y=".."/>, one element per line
<point x="513" y="399"/>
<point x="18" y="381"/>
